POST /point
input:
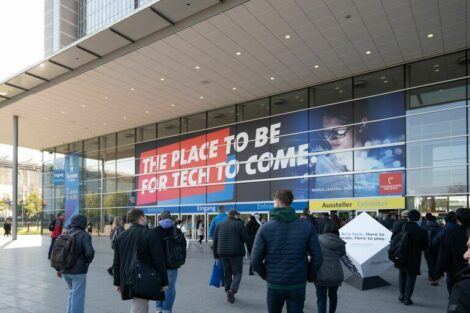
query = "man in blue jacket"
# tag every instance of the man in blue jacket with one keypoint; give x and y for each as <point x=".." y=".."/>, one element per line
<point x="280" y="255"/>
<point x="222" y="216"/>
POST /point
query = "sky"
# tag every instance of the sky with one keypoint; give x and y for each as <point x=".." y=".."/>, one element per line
<point x="21" y="45"/>
<point x="22" y="35"/>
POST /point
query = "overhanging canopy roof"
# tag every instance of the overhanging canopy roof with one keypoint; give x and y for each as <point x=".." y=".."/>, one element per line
<point x="171" y="59"/>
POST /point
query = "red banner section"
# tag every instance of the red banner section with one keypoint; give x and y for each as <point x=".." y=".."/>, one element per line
<point x="179" y="169"/>
<point x="391" y="183"/>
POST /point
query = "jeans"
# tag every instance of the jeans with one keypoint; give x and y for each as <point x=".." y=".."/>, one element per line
<point x="139" y="305"/>
<point x="76" y="284"/>
<point x="406" y="282"/>
<point x="294" y="298"/>
<point x="233" y="270"/>
<point x="170" y="294"/>
<point x="322" y="293"/>
<point x="51" y="247"/>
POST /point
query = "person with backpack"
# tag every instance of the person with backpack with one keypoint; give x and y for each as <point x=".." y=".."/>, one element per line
<point x="452" y="248"/>
<point x="72" y="254"/>
<point x="252" y="228"/>
<point x="174" y="248"/>
<point x="116" y="230"/>
<point x="222" y="216"/>
<point x="405" y="250"/>
<point x="229" y="245"/>
<point x="138" y="260"/>
<point x="459" y="300"/>
<point x="56" y="227"/>
<point x="430" y="254"/>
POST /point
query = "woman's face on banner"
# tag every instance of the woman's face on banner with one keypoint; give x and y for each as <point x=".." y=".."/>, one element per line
<point x="337" y="134"/>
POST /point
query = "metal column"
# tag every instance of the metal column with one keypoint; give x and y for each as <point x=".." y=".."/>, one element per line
<point x="15" y="177"/>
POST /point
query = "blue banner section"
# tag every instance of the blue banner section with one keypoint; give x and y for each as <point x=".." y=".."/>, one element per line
<point x="58" y="177"/>
<point x="71" y="186"/>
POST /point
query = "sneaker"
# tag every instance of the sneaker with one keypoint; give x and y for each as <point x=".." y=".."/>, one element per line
<point x="401" y="298"/>
<point x="230" y="296"/>
<point x="408" y="302"/>
<point x="110" y="271"/>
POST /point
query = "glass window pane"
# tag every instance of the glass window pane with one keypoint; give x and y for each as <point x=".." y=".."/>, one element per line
<point x="290" y="101"/>
<point x="146" y="133"/>
<point x="193" y="122"/>
<point x="253" y="109"/>
<point x="436" y="94"/>
<point x="75" y="147"/>
<point x="437" y="69"/>
<point x="91" y="145"/>
<point x="221" y="116"/>
<point x="108" y="158"/>
<point x="379" y="82"/>
<point x="445" y="152"/>
<point x="126" y="137"/>
<point x="168" y="128"/>
<point x="62" y="149"/>
<point x="332" y="92"/>
<point x="108" y="141"/>
<point x="431" y="181"/>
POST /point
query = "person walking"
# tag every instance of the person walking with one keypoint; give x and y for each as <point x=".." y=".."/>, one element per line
<point x="229" y="246"/>
<point x="222" y="216"/>
<point x="452" y="248"/>
<point x="75" y="277"/>
<point x="166" y="229"/>
<point x="116" y="229"/>
<point x="252" y="228"/>
<point x="409" y="268"/>
<point x="309" y="217"/>
<point x="58" y="225"/>
<point x="459" y="300"/>
<point x="280" y="255"/>
<point x="200" y="231"/>
<point x="7" y="228"/>
<point x="138" y="241"/>
<point x="430" y="254"/>
<point x="330" y="275"/>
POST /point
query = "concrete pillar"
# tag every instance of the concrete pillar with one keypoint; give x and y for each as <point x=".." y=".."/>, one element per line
<point x="14" y="170"/>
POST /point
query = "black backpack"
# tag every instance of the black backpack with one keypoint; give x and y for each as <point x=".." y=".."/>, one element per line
<point x="175" y="249"/>
<point x="64" y="255"/>
<point x="52" y="225"/>
<point x="400" y="248"/>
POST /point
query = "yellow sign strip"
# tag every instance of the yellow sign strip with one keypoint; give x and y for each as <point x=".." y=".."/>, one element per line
<point x="383" y="203"/>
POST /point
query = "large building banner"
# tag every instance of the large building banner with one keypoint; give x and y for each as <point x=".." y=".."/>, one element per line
<point x="71" y="186"/>
<point x="353" y="149"/>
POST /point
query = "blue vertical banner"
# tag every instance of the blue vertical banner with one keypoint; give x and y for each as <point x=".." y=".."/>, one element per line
<point x="59" y="175"/>
<point x="71" y="186"/>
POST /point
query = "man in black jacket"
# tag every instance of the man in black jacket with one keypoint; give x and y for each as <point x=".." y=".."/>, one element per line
<point x="459" y="301"/>
<point x="229" y="245"/>
<point x="146" y="243"/>
<point x="453" y="246"/>
<point x="418" y="242"/>
<point x="75" y="277"/>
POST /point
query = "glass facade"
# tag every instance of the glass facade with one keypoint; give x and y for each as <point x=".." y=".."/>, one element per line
<point x="395" y="133"/>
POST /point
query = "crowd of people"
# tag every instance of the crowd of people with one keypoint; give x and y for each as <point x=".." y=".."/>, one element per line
<point x="287" y="252"/>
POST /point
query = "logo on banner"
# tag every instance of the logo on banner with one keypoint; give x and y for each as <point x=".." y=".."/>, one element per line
<point x="391" y="183"/>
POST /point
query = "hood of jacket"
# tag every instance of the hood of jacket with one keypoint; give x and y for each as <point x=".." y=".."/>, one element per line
<point x="79" y="221"/>
<point x="331" y="241"/>
<point x="284" y="215"/>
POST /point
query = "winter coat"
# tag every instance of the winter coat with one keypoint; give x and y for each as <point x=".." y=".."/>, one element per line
<point x="219" y="218"/>
<point x="83" y="248"/>
<point x="252" y="229"/>
<point x="450" y="258"/>
<point x="419" y="243"/>
<point x="459" y="300"/>
<point x="149" y="250"/>
<point x="281" y="249"/>
<point x="437" y="241"/>
<point x="330" y="273"/>
<point x="229" y="238"/>
<point x="114" y="235"/>
<point x="58" y="226"/>
<point x="433" y="229"/>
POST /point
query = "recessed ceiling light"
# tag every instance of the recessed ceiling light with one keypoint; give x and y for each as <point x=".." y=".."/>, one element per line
<point x="42" y="65"/>
<point x="430" y="35"/>
<point x="316" y="66"/>
<point x="132" y="89"/>
<point x="201" y="97"/>
<point x="83" y="105"/>
<point x="238" y="53"/>
<point x="234" y="88"/>
<point x="385" y="81"/>
<point x="106" y="98"/>
<point x="368" y="52"/>
<point x="104" y="123"/>
<point x="68" y="132"/>
<point x="3" y="93"/>
<point x="63" y="112"/>
<point x="436" y="65"/>
<point x="162" y="79"/>
<point x="436" y="70"/>
<point x="340" y="91"/>
<point x="272" y="78"/>
<point x="383" y="77"/>
<point x="147" y="112"/>
<point x="124" y="118"/>
<point x="44" y="118"/>
<point x="172" y="105"/>
<point x="337" y="87"/>
<point x="197" y="67"/>
<point x="287" y="36"/>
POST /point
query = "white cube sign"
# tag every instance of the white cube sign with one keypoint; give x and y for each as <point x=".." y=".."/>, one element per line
<point x="367" y="244"/>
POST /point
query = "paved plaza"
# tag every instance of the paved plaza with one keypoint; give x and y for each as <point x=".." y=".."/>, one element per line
<point x="29" y="284"/>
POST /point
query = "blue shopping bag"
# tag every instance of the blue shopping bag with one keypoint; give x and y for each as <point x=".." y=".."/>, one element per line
<point x="217" y="274"/>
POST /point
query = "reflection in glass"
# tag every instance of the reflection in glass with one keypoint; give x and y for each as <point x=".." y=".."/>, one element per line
<point x="290" y="101"/>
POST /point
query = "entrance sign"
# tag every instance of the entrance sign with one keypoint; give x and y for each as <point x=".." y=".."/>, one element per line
<point x="347" y="204"/>
<point x="367" y="244"/>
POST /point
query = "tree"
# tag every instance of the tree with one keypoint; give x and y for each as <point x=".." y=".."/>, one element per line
<point x="33" y="205"/>
<point x="4" y="206"/>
